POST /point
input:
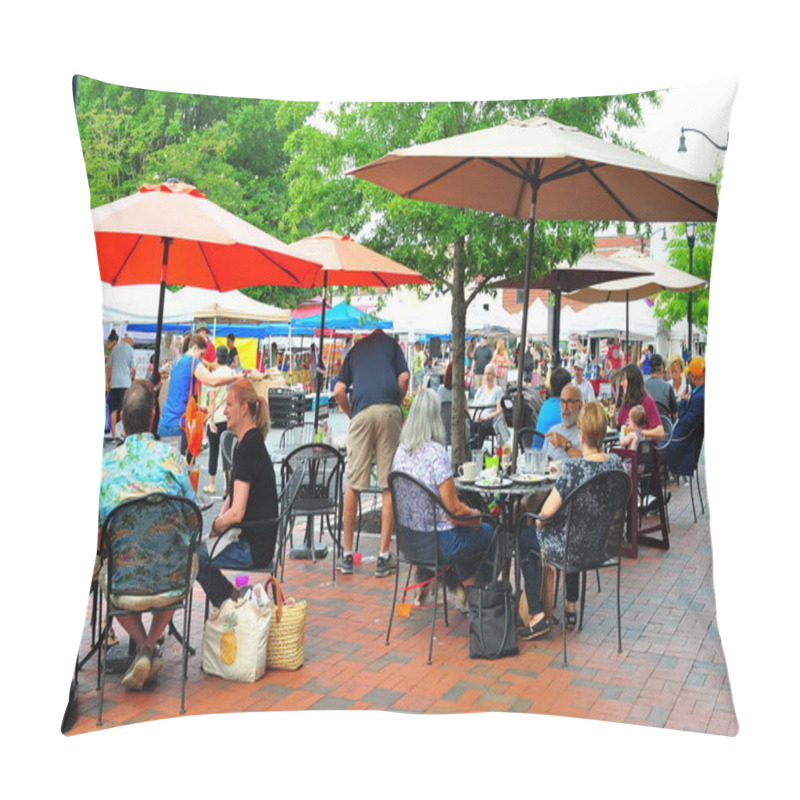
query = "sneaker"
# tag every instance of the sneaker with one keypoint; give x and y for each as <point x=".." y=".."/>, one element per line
<point x="346" y="565"/>
<point x="386" y="566"/>
<point x="139" y="670"/>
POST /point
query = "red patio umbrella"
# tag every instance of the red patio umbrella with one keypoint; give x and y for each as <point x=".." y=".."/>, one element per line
<point x="171" y="233"/>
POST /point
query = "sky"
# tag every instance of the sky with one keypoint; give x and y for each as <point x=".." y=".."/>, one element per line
<point x="53" y="398"/>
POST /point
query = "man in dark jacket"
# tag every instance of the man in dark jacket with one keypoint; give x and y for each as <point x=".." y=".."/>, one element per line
<point x="682" y="454"/>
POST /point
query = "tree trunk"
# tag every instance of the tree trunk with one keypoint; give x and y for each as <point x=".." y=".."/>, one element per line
<point x="459" y="323"/>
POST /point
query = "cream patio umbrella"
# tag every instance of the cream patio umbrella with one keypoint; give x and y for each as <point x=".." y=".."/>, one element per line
<point x="663" y="277"/>
<point x="345" y="262"/>
<point x="541" y="169"/>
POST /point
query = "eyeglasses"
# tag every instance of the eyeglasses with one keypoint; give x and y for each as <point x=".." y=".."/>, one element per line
<point x="568" y="402"/>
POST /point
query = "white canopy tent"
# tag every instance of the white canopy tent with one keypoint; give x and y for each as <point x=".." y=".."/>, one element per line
<point x="208" y="304"/>
<point x="608" y="319"/>
<point x="139" y="304"/>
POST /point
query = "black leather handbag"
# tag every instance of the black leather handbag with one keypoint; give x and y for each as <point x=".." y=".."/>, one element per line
<point x="492" y="621"/>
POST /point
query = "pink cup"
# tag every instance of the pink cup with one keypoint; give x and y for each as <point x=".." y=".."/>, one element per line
<point x="357" y="558"/>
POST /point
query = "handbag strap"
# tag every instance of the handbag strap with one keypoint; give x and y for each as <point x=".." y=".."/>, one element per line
<point x="277" y="591"/>
<point x="505" y="626"/>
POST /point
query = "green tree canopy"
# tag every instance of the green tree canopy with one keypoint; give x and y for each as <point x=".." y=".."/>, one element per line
<point x="459" y="249"/>
<point x="231" y="148"/>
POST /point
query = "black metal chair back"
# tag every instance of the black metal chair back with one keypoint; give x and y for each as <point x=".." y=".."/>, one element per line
<point x="666" y="423"/>
<point x="320" y="492"/>
<point x="447" y="418"/>
<point x="587" y="531"/>
<point x="227" y="447"/>
<point x="416" y="512"/>
<point x="148" y="545"/>
<point x="297" y="435"/>
<point x="694" y="441"/>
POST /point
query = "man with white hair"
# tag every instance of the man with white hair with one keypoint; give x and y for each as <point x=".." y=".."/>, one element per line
<point x="586" y="388"/>
<point x="563" y="440"/>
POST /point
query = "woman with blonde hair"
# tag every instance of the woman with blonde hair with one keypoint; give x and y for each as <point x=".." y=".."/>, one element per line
<point x="677" y="378"/>
<point x="501" y="362"/>
<point x="253" y="496"/>
<point x="592" y="424"/>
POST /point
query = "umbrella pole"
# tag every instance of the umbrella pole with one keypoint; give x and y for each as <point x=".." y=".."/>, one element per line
<point x="160" y="321"/>
<point x="524" y="329"/>
<point x="557" y="330"/>
<point x="627" y="327"/>
<point x="318" y="375"/>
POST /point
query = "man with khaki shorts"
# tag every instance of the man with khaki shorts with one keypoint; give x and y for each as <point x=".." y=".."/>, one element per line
<point x="377" y="371"/>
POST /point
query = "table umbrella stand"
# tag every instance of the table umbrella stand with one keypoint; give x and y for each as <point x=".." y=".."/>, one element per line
<point x="167" y="241"/>
<point x="517" y="417"/>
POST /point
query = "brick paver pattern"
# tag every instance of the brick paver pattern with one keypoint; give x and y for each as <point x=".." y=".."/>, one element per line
<point x="671" y="673"/>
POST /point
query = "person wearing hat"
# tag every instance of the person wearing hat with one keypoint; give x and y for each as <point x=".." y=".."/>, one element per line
<point x="586" y="388"/>
<point x="660" y="389"/>
<point x="682" y="455"/>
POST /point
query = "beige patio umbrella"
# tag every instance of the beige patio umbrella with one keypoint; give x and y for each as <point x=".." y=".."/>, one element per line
<point x="541" y="169"/>
<point x="345" y="262"/>
<point x="663" y="278"/>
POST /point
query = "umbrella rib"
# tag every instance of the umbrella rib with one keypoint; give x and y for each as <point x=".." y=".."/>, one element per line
<point x="435" y="178"/>
<point x="611" y="194"/>
<point x="279" y="266"/>
<point x="127" y="258"/>
<point x="208" y="264"/>
<point x="517" y="174"/>
<point x="680" y="194"/>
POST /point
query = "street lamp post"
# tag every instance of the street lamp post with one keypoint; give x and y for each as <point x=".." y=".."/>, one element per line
<point x="691" y="227"/>
<point x="682" y="143"/>
<point x="691" y="232"/>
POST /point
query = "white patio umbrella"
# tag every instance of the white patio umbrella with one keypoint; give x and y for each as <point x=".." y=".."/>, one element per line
<point x="663" y="277"/>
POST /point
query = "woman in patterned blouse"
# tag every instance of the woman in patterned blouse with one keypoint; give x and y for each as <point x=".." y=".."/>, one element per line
<point x="592" y="423"/>
<point x="423" y="456"/>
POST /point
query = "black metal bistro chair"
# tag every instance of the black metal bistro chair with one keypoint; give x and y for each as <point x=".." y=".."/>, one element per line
<point x="320" y="494"/>
<point x="694" y="442"/>
<point x="148" y="548"/>
<point x="227" y="447"/>
<point x="586" y="533"/>
<point x="285" y="503"/>
<point x="415" y="513"/>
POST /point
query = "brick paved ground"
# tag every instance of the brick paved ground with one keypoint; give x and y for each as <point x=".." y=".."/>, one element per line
<point x="671" y="673"/>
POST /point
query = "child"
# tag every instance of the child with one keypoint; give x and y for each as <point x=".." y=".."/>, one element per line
<point x="632" y="434"/>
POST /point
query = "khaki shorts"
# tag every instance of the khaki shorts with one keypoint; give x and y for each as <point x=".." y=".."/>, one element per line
<point x="376" y="430"/>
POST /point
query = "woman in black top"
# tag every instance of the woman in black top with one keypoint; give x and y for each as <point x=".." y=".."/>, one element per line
<point x="253" y="496"/>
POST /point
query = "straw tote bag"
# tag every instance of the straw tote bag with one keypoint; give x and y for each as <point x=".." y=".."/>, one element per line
<point x="286" y="646"/>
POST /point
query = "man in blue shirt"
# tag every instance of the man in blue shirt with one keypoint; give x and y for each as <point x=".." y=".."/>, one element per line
<point x="377" y="372"/>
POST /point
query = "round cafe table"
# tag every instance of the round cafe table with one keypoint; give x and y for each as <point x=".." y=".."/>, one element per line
<point x="508" y="497"/>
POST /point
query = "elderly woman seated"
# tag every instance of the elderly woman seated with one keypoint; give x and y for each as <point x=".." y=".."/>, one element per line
<point x="533" y="541"/>
<point x="423" y="456"/>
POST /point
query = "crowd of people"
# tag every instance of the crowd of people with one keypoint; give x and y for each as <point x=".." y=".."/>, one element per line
<point x="373" y="381"/>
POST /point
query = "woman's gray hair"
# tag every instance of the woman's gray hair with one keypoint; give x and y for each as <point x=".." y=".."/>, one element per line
<point x="424" y="423"/>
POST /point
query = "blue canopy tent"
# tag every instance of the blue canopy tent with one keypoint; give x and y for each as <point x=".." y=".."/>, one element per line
<point x="344" y="317"/>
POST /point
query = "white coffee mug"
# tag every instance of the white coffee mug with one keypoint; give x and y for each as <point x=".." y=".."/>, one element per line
<point x="468" y="471"/>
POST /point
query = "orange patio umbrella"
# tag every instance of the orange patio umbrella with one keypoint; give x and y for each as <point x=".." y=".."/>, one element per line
<point x="345" y="262"/>
<point x="171" y="233"/>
